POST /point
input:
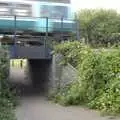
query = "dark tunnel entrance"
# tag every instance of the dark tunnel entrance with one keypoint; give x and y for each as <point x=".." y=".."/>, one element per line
<point x="39" y="74"/>
<point x="35" y="80"/>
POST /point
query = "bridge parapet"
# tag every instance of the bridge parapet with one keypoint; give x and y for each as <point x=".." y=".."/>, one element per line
<point x="34" y="42"/>
<point x="30" y="52"/>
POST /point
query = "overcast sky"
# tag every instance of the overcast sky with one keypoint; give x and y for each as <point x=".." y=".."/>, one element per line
<point x="78" y="4"/>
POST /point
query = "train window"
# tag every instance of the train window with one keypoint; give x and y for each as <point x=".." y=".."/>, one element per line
<point x="57" y="1"/>
<point x="54" y="11"/>
<point x="4" y="4"/>
<point x="22" y="10"/>
<point x="4" y="9"/>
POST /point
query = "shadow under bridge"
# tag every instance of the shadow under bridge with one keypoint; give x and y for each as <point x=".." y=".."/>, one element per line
<point x="33" y="79"/>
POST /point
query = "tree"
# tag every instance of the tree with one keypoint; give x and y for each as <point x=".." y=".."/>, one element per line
<point x="97" y="26"/>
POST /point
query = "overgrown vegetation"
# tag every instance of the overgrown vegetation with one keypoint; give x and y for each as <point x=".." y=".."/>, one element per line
<point x="7" y="97"/>
<point x="99" y="27"/>
<point x="98" y="83"/>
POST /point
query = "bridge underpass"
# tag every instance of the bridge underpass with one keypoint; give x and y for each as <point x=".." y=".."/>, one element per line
<point x="37" y="107"/>
<point x="32" y="78"/>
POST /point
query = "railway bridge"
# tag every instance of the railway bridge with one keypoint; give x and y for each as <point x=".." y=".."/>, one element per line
<point x="36" y="47"/>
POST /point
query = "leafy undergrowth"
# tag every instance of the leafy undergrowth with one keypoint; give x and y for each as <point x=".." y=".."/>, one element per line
<point x="6" y="109"/>
<point x="98" y="83"/>
<point x="7" y="97"/>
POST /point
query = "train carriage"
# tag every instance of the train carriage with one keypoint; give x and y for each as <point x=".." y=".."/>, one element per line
<point x="30" y="26"/>
<point x="36" y="16"/>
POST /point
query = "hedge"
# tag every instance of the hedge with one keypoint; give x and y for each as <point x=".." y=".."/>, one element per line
<point x="98" y="83"/>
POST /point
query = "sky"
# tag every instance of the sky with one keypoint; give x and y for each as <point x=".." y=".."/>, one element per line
<point x="80" y="4"/>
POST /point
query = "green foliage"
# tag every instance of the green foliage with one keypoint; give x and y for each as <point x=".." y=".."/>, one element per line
<point x="7" y="97"/>
<point x="99" y="26"/>
<point x="71" y="52"/>
<point x="98" y="83"/>
<point x="6" y="109"/>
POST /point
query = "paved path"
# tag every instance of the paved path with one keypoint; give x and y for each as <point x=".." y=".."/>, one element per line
<point x="38" y="108"/>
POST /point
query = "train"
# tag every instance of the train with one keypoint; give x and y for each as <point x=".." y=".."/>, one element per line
<point x="38" y="16"/>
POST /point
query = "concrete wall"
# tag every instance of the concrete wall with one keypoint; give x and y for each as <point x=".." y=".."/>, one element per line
<point x="61" y="75"/>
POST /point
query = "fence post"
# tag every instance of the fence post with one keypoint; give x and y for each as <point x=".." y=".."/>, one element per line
<point x="46" y="38"/>
<point x="62" y="28"/>
<point x="14" y="37"/>
<point x="78" y="30"/>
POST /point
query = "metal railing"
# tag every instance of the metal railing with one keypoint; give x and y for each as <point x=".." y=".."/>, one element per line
<point x="43" y="24"/>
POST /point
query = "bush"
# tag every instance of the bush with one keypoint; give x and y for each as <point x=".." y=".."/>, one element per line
<point x="71" y="52"/>
<point x="98" y="83"/>
<point x="7" y="98"/>
<point x="6" y="109"/>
